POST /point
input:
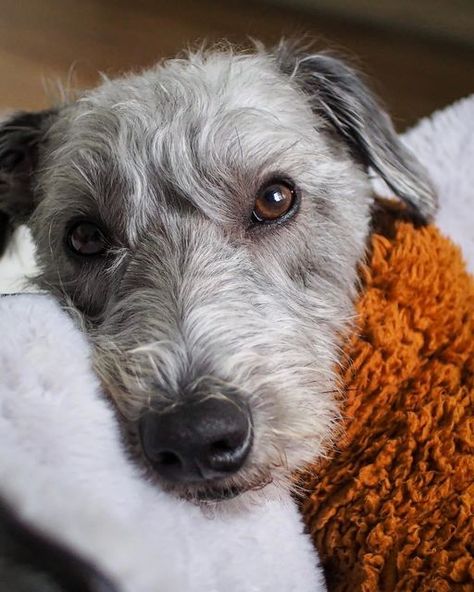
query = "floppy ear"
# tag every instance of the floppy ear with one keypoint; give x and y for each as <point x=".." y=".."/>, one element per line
<point x="338" y="94"/>
<point x="20" y="139"/>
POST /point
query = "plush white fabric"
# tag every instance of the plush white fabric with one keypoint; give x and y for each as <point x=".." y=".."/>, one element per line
<point x="62" y="467"/>
<point x="18" y="263"/>
<point x="444" y="143"/>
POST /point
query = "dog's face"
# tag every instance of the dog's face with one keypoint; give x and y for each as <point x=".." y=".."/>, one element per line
<point x="206" y="218"/>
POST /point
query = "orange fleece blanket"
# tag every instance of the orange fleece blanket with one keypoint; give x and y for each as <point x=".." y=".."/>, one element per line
<point x="393" y="509"/>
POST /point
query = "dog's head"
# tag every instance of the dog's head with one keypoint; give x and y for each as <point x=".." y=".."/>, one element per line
<point x="206" y="218"/>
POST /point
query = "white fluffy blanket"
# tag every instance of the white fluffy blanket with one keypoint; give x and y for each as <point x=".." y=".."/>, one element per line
<point x="63" y="469"/>
<point x="444" y="143"/>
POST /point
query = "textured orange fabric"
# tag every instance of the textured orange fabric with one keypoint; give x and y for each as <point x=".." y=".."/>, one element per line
<point x="393" y="509"/>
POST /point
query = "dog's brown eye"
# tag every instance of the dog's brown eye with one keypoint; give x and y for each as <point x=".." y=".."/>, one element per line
<point x="274" y="201"/>
<point x="85" y="238"/>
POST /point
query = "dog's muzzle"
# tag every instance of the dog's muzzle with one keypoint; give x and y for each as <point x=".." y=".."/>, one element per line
<point x="197" y="441"/>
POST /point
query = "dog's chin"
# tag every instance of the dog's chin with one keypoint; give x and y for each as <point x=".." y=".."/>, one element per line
<point x="208" y="494"/>
<point x="215" y="494"/>
<point x="217" y="491"/>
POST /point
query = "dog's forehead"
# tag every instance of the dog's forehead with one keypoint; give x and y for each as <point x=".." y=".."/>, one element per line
<point x="203" y="86"/>
<point x="193" y="125"/>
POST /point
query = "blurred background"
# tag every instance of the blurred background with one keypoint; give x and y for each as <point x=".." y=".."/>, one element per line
<point x="418" y="54"/>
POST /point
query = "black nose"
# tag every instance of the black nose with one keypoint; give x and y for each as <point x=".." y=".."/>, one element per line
<point x="197" y="441"/>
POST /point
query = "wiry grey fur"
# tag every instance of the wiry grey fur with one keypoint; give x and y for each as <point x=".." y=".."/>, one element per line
<point x="193" y="298"/>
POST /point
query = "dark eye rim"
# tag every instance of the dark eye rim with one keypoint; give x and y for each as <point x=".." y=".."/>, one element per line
<point x="71" y="225"/>
<point x="277" y="179"/>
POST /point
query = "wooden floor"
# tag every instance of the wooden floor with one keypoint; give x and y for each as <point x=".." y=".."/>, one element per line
<point x="45" y="40"/>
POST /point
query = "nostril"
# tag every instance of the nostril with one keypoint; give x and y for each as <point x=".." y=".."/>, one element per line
<point x="221" y="447"/>
<point x="168" y="458"/>
<point x="228" y="454"/>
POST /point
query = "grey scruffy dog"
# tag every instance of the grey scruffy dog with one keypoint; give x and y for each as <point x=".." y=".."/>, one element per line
<point x="205" y="218"/>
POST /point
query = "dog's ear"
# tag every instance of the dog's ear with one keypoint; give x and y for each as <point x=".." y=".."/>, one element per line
<point x="21" y="137"/>
<point x="338" y="94"/>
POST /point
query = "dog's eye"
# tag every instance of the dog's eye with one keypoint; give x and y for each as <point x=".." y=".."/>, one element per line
<point x="274" y="202"/>
<point x="86" y="238"/>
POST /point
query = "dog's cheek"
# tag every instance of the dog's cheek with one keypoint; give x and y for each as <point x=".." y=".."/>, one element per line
<point x="78" y="284"/>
